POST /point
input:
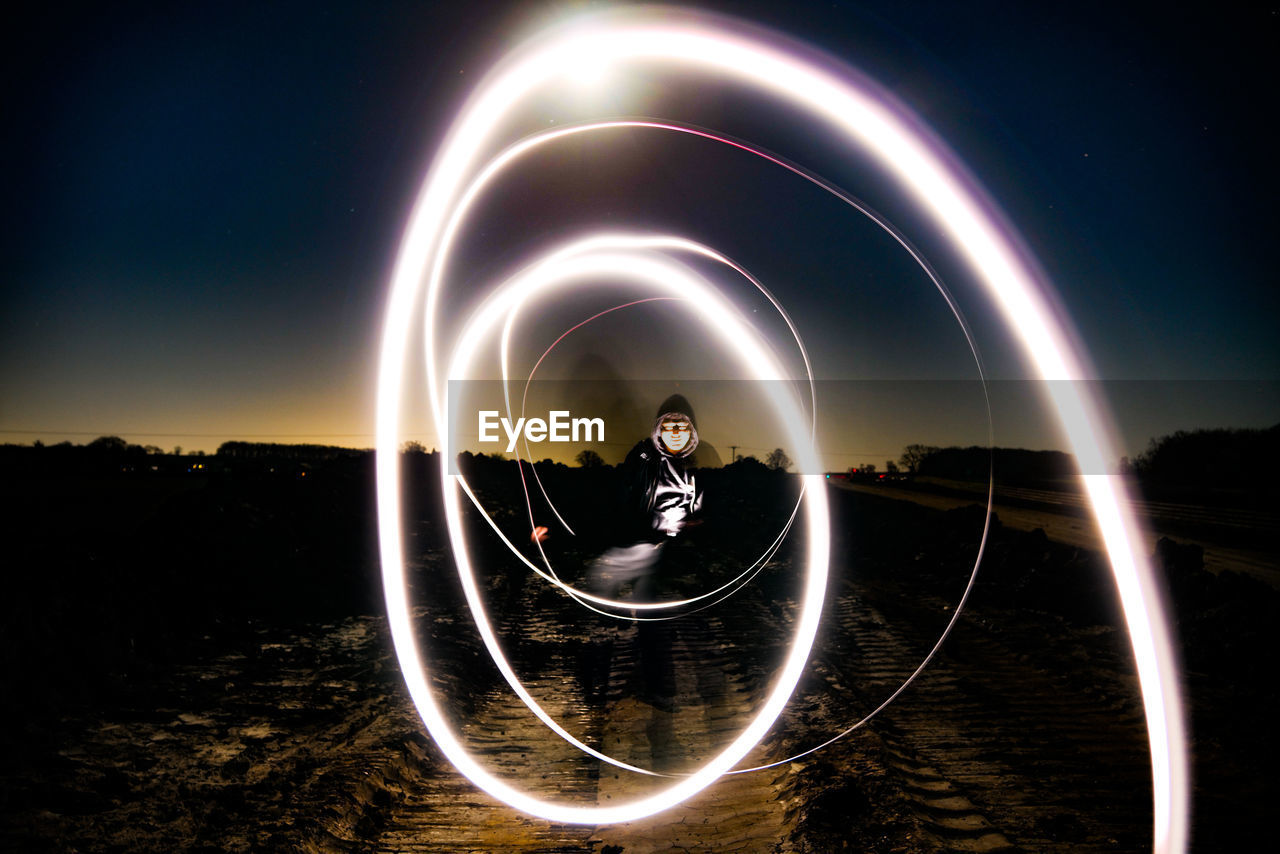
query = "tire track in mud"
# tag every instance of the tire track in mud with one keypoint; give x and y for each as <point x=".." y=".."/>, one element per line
<point x="1024" y="734"/>
<point x="715" y="696"/>
<point x="992" y="749"/>
<point x="441" y="810"/>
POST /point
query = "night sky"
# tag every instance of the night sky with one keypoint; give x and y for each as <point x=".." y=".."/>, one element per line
<point x="206" y="203"/>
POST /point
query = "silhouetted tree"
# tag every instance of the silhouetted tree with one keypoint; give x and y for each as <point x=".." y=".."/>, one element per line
<point x="109" y="444"/>
<point x="589" y="459"/>
<point x="778" y="460"/>
<point x="1221" y="457"/>
<point x="914" y="455"/>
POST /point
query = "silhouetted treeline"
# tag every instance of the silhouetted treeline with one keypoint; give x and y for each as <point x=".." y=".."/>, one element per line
<point x="1224" y="466"/>
<point x="103" y="456"/>
<point x="1012" y="466"/>
<point x="111" y="455"/>
<point x="1238" y="459"/>
<point x="275" y="450"/>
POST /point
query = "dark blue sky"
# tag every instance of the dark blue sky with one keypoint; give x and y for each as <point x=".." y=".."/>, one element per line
<point x="206" y="203"/>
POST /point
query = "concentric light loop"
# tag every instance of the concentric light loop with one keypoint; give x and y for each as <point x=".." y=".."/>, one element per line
<point x="616" y="260"/>
<point x="852" y="109"/>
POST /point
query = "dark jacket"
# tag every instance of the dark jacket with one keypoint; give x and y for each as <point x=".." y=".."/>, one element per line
<point x="661" y="493"/>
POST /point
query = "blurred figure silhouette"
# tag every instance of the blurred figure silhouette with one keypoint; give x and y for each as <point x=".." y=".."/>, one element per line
<point x="660" y="499"/>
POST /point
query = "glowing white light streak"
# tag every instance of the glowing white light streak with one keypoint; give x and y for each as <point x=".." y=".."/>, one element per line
<point x="599" y="258"/>
<point x="511" y="155"/>
<point x="616" y="258"/>
<point x="633" y="243"/>
<point x="854" y="110"/>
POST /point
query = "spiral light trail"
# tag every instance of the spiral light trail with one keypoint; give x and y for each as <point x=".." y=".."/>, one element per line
<point x="851" y="110"/>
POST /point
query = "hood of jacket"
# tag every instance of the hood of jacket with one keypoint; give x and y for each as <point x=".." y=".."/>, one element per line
<point x="675" y="408"/>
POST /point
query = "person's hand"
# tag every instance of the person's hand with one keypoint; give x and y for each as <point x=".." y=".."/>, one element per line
<point x="539" y="534"/>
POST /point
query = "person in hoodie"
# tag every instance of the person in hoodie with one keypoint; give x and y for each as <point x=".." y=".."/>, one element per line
<point x="659" y="499"/>
<point x="662" y="492"/>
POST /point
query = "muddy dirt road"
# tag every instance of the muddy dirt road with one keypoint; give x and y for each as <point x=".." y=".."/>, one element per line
<point x="1024" y="734"/>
